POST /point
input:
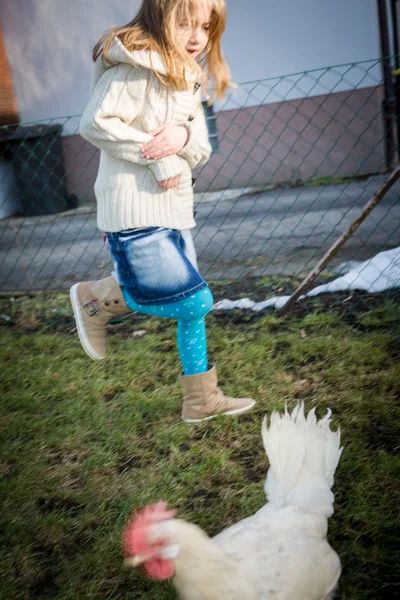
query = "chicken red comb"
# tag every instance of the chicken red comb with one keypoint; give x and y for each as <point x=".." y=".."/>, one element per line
<point x="136" y="540"/>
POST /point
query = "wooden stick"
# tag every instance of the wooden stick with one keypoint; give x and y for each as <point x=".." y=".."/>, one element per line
<point x="334" y="249"/>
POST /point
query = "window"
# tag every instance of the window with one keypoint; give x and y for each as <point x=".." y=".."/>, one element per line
<point x="211" y="126"/>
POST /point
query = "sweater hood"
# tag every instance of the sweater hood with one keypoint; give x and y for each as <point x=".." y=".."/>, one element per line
<point x="117" y="53"/>
<point x="149" y="60"/>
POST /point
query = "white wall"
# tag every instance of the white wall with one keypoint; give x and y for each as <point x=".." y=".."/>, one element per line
<point x="49" y="43"/>
<point x="277" y="37"/>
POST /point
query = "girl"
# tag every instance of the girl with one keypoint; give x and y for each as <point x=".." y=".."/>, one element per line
<point x="146" y="117"/>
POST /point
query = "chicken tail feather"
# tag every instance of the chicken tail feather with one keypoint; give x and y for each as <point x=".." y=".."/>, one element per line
<point x="303" y="453"/>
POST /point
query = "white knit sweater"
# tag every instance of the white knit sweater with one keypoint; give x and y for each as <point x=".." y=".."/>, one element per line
<point x="127" y="102"/>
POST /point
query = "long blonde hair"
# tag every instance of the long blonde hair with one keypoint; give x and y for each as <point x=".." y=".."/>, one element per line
<point x="155" y="29"/>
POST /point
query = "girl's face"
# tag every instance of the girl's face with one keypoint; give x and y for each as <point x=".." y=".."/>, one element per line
<point x="195" y="35"/>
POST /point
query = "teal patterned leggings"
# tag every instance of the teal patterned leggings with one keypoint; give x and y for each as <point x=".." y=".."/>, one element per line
<point x="191" y="331"/>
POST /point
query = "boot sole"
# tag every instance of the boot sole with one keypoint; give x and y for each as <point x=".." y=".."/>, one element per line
<point x="228" y="413"/>
<point x="88" y="348"/>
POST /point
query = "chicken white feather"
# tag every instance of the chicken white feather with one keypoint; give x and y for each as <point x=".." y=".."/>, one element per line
<point x="281" y="552"/>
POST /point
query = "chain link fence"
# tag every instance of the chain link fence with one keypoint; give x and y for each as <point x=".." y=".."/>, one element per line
<point x="295" y="158"/>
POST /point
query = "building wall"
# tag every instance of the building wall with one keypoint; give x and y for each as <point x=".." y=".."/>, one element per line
<point x="49" y="43"/>
<point x="49" y="51"/>
<point x="336" y="135"/>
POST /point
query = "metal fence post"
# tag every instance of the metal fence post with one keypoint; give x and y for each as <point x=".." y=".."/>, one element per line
<point x="389" y="100"/>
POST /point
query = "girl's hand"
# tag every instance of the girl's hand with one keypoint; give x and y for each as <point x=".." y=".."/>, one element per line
<point x="170" y="183"/>
<point x="168" y="140"/>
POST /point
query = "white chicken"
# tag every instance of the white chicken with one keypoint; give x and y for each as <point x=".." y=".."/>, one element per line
<point x="279" y="553"/>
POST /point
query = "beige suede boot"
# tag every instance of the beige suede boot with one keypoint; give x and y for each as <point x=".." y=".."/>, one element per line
<point x="203" y="399"/>
<point x="94" y="304"/>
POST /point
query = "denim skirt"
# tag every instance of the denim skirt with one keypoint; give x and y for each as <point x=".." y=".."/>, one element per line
<point x="155" y="265"/>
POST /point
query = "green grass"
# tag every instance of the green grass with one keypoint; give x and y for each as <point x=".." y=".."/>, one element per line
<point x="84" y="444"/>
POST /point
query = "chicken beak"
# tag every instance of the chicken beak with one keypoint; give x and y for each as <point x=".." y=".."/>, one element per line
<point x="135" y="561"/>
